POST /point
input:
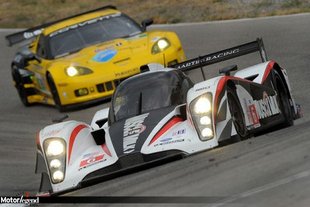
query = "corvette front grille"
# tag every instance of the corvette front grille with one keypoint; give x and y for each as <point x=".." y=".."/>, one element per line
<point x="109" y="86"/>
<point x="103" y="87"/>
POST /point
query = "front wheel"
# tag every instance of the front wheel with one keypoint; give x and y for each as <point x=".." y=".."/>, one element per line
<point x="237" y="115"/>
<point x="54" y="92"/>
<point x="283" y="100"/>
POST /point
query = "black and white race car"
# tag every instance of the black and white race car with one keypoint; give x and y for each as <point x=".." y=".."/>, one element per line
<point x="161" y="114"/>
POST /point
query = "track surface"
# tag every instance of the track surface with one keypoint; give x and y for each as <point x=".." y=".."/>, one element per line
<point x="269" y="170"/>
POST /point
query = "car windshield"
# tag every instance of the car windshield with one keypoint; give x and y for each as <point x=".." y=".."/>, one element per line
<point x="76" y="37"/>
<point x="149" y="92"/>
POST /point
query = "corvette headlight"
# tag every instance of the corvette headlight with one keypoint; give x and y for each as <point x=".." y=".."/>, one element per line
<point x="55" y="153"/>
<point x="160" y="45"/>
<point x="201" y="111"/>
<point x="77" y="71"/>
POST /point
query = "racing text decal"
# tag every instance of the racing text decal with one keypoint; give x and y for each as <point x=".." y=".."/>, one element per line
<point x="207" y="59"/>
<point x="132" y="129"/>
<point x="267" y="106"/>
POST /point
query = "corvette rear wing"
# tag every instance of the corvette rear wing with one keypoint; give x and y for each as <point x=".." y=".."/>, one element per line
<point x="240" y="50"/>
<point x="27" y="34"/>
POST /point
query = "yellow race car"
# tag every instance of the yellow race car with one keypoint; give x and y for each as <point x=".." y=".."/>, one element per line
<point x="83" y="58"/>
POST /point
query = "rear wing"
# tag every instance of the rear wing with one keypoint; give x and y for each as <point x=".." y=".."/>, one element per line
<point x="27" y="34"/>
<point x="240" y="50"/>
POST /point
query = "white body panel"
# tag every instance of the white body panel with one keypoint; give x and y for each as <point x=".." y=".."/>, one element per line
<point x="182" y="136"/>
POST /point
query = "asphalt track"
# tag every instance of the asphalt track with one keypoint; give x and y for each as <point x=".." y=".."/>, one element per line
<point x="269" y="170"/>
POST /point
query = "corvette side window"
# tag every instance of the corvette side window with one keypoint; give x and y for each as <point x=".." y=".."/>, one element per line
<point x="41" y="52"/>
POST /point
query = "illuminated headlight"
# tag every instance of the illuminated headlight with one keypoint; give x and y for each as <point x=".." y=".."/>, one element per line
<point x="55" y="148"/>
<point x="205" y="120"/>
<point x="58" y="176"/>
<point x="77" y="71"/>
<point x="160" y="46"/>
<point x="201" y="111"/>
<point x="55" y="153"/>
<point x="207" y="132"/>
<point x="55" y="163"/>
<point x="202" y="105"/>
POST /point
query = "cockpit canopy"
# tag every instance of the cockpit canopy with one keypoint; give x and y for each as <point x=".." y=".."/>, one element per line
<point x="148" y="92"/>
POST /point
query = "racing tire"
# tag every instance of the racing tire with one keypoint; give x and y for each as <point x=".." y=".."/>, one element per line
<point x="21" y="90"/>
<point x="54" y="92"/>
<point x="283" y="100"/>
<point x="237" y="115"/>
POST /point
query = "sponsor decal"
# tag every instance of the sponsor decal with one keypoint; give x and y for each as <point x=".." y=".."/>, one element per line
<point x="169" y="141"/>
<point x="105" y="55"/>
<point x="253" y="114"/>
<point x="28" y="35"/>
<point x="133" y="127"/>
<point x="266" y="107"/>
<point x="52" y="133"/>
<point x="126" y="73"/>
<point x="166" y="139"/>
<point x="179" y="132"/>
<point x="91" y="159"/>
<point x="203" y="88"/>
<point x="81" y="24"/>
<point x="208" y="58"/>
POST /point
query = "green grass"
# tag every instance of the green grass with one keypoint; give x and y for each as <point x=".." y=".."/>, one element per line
<point x="28" y="13"/>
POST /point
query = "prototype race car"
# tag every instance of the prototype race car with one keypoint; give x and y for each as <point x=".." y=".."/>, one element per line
<point x="160" y="114"/>
<point x="84" y="57"/>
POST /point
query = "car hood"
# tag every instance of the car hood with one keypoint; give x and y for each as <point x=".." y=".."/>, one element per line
<point x="129" y="135"/>
<point x="122" y="52"/>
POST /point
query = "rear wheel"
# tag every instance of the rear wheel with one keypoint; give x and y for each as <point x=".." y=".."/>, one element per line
<point x="54" y="92"/>
<point x="237" y="115"/>
<point x="283" y="100"/>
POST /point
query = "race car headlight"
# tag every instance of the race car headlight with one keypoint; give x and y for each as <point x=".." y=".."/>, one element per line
<point x="202" y="105"/>
<point x="55" y="148"/>
<point x="55" y="153"/>
<point x="160" y="45"/>
<point x="72" y="71"/>
<point x="201" y="111"/>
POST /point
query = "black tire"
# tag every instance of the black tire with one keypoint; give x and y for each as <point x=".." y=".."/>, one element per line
<point x="22" y="91"/>
<point x="283" y="100"/>
<point x="237" y="115"/>
<point x="54" y="92"/>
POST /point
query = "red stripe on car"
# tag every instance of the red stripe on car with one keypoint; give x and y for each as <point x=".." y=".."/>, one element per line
<point x="268" y="69"/>
<point x="220" y="86"/>
<point x="165" y="128"/>
<point x="106" y="150"/>
<point x="73" y="136"/>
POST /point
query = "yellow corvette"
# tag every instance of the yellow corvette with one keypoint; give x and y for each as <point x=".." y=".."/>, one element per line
<point x="84" y="57"/>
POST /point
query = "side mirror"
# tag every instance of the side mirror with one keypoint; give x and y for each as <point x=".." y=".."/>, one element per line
<point x="32" y="56"/>
<point x="228" y="69"/>
<point x="145" y="23"/>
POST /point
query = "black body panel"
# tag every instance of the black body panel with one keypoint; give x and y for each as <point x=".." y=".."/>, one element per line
<point x="137" y="130"/>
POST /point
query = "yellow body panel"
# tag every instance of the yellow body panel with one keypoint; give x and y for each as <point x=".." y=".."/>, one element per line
<point x="129" y="54"/>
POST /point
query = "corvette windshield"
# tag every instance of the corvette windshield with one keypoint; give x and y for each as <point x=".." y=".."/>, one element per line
<point x="77" y="37"/>
<point x="149" y="92"/>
